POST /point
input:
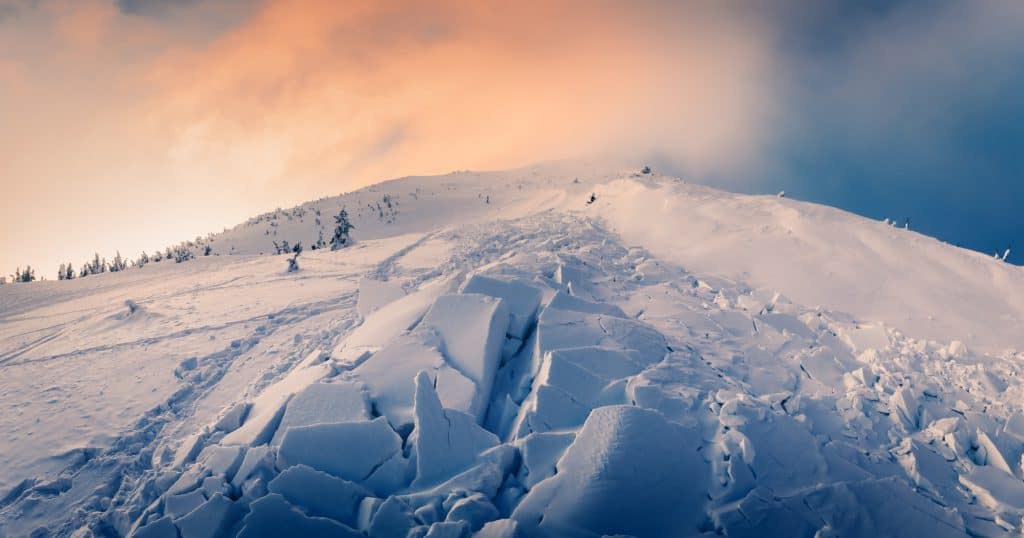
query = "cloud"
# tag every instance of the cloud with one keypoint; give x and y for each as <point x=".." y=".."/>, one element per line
<point x="151" y="7"/>
<point x="432" y="86"/>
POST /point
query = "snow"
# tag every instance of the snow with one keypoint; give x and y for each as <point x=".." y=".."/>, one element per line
<point x="472" y="328"/>
<point x="320" y="494"/>
<point x="374" y="294"/>
<point x="216" y="517"/>
<point x="629" y="471"/>
<point x="324" y="403"/>
<point x="349" y="450"/>
<point x="272" y="516"/>
<point x="669" y="360"/>
<point x="446" y="441"/>
<point x="390" y="373"/>
<point x="522" y="301"/>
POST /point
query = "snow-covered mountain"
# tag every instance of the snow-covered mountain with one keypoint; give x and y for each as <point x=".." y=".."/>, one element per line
<point x="552" y="351"/>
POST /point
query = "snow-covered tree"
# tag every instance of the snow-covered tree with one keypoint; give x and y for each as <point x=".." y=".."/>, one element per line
<point x="181" y="253"/>
<point x="28" y="275"/>
<point x="69" y="272"/>
<point x="320" y="238"/>
<point x="293" y="262"/>
<point x="342" y="230"/>
<point x="61" y="272"/>
<point x="118" y="263"/>
<point x="207" y="250"/>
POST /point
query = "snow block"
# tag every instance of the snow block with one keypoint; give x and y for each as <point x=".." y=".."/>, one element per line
<point x="549" y="408"/>
<point x="630" y="471"/>
<point x="389" y="376"/>
<point x="605" y="363"/>
<point x="375" y="294"/>
<point x="540" y="452"/>
<point x="393" y="518"/>
<point x="161" y="528"/>
<point x="474" y="510"/>
<point x="473" y="328"/>
<point x="221" y="460"/>
<point x="564" y="301"/>
<point x="268" y="408"/>
<point x="177" y="506"/>
<point x="486" y="476"/>
<point x="448" y="529"/>
<point x="998" y="491"/>
<point x="558" y="329"/>
<point x="319" y="494"/>
<point x="521" y="299"/>
<point x="256" y="459"/>
<point x="233" y="418"/>
<point x="885" y="507"/>
<point x="349" y="450"/>
<point x="501" y="528"/>
<point x="214" y="518"/>
<point x="446" y="441"/>
<point x="324" y="403"/>
<point x="272" y="516"/>
<point x="392" y="320"/>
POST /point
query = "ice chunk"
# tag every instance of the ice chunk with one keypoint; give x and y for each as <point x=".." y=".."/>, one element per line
<point x="323" y="403"/>
<point x="177" y="506"/>
<point x="320" y="494"/>
<point x="1015" y="426"/>
<point x="393" y="518"/>
<point x="233" y="418"/>
<point x="629" y="471"/>
<point x="569" y="275"/>
<point x="256" y="458"/>
<point x="540" y="451"/>
<point x="391" y="475"/>
<point x="188" y="450"/>
<point x="473" y="328"/>
<point x="448" y="529"/>
<point x="473" y="510"/>
<point x="214" y="518"/>
<point x="392" y="319"/>
<point x="446" y="441"/>
<point x="559" y="329"/>
<point x="214" y="484"/>
<point x="521" y="299"/>
<point x="271" y="516"/>
<point x="350" y="450"/>
<point x="865" y="508"/>
<point x="161" y="528"/>
<point x="603" y="362"/>
<point x="549" y="408"/>
<point x="501" y="528"/>
<point x="486" y="476"/>
<point x="374" y="294"/>
<point x="560" y="371"/>
<point x="269" y="406"/>
<point x="998" y="491"/>
<point x="563" y="301"/>
<point x="389" y="376"/>
<point x="221" y="460"/>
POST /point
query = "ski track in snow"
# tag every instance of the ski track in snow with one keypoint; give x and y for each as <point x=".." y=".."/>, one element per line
<point x="703" y="405"/>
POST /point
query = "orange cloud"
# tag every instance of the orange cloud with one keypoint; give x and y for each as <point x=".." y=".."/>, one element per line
<point x="352" y="90"/>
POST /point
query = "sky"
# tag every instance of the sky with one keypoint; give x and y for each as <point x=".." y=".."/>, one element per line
<point x="134" y="124"/>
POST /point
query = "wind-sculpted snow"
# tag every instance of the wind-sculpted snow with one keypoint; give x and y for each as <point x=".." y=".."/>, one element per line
<point x="542" y="378"/>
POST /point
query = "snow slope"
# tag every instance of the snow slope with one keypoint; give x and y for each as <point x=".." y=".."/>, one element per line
<point x="496" y="356"/>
